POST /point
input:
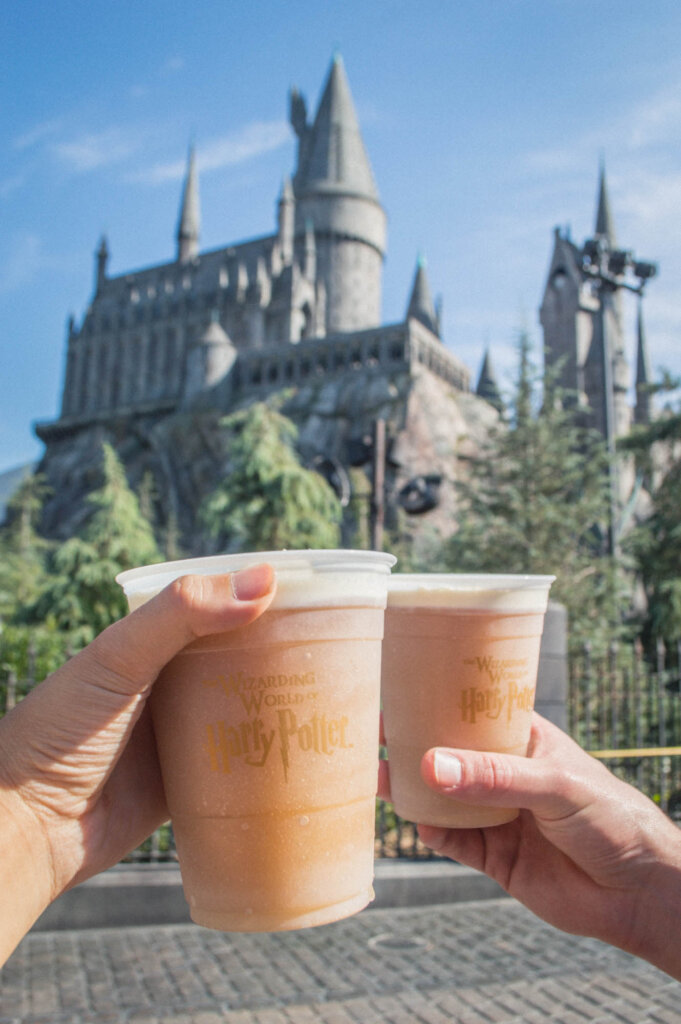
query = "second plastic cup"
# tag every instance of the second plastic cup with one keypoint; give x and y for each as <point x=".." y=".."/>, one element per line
<point x="460" y="659"/>
<point x="268" y="742"/>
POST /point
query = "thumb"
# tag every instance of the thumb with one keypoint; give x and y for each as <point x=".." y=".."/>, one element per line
<point x="503" y="780"/>
<point x="127" y="657"/>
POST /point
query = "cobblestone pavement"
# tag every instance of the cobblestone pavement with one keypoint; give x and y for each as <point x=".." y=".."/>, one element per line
<point x="469" y="963"/>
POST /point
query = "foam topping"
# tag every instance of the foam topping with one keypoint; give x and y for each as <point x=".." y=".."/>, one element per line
<point x="495" y="592"/>
<point x="304" y="578"/>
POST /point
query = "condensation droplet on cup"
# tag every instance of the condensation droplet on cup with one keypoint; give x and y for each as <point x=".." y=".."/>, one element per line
<point x="303" y="820"/>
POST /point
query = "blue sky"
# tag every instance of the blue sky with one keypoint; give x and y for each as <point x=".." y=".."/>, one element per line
<point x="485" y="123"/>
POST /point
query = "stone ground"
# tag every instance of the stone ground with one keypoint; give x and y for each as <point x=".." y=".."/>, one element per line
<point x="483" y="962"/>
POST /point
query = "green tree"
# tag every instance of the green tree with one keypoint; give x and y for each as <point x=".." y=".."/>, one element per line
<point x="532" y="501"/>
<point x="23" y="551"/>
<point x="268" y="500"/>
<point x="656" y="541"/>
<point x="82" y="597"/>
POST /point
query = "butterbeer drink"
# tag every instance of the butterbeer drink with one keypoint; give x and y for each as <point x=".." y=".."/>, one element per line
<point x="460" y="659"/>
<point x="268" y="742"/>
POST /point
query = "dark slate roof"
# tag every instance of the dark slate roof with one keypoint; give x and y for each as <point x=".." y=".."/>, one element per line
<point x="335" y="158"/>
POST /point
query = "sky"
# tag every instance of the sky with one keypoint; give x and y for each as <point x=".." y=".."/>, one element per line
<point x="485" y="122"/>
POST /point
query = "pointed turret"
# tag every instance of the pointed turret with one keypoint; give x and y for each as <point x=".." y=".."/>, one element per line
<point x="487" y="384"/>
<point x="335" y="156"/>
<point x="605" y="225"/>
<point x="421" y="305"/>
<point x="643" y="406"/>
<point x="334" y="188"/>
<point x="286" y="213"/>
<point x="189" y="226"/>
<point x="102" y="260"/>
<point x="209" y="359"/>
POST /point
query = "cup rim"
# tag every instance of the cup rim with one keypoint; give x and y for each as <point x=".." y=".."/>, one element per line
<point x="318" y="560"/>
<point x="468" y="581"/>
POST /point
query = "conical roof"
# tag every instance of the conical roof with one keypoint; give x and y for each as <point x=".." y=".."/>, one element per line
<point x="487" y="384"/>
<point x="605" y="225"/>
<point x="420" y="302"/>
<point x="335" y="158"/>
<point x="190" y="219"/>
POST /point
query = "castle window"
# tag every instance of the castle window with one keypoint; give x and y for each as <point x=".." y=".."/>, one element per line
<point x="256" y="375"/>
<point x="288" y="370"/>
<point x="397" y="351"/>
<point x="273" y="372"/>
<point x="304" y="367"/>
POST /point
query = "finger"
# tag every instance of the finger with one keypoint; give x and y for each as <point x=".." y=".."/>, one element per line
<point x="543" y="785"/>
<point x="383" y="780"/>
<point x="464" y="845"/>
<point x="133" y="651"/>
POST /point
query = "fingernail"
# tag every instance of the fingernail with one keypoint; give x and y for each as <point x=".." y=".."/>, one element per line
<point x="251" y="583"/>
<point x="447" y="769"/>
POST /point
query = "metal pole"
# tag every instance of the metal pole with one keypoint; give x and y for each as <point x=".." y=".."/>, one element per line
<point x="378" y="486"/>
<point x="610" y="426"/>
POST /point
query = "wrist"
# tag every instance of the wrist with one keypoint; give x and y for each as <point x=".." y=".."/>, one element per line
<point x="654" y="936"/>
<point x="27" y="884"/>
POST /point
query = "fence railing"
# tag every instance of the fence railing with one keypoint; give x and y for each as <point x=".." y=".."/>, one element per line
<point x="623" y="707"/>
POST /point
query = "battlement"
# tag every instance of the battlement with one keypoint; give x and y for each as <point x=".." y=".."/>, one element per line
<point x="390" y="350"/>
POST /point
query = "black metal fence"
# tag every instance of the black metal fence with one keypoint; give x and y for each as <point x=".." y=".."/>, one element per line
<point x="624" y="707"/>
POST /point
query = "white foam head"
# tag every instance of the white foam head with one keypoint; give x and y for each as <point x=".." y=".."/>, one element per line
<point x="305" y="578"/>
<point x="473" y="591"/>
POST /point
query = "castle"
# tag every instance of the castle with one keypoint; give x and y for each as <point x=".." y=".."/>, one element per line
<point x="163" y="352"/>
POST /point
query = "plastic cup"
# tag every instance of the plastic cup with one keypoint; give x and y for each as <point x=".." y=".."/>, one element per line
<point x="268" y="743"/>
<point x="460" y="658"/>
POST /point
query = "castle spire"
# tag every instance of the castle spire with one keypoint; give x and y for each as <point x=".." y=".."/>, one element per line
<point x="487" y="384"/>
<point x="102" y="259"/>
<point x="332" y="152"/>
<point x="605" y="225"/>
<point x="189" y="225"/>
<point x="642" y="408"/>
<point x="421" y="306"/>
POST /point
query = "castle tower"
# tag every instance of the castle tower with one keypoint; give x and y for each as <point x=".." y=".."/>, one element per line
<point x="335" y="190"/>
<point x="188" y="229"/>
<point x="421" y="305"/>
<point x="583" y="329"/>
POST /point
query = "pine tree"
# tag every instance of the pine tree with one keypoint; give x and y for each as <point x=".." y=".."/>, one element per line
<point x="533" y="500"/>
<point x="82" y="597"/>
<point x="23" y="551"/>
<point x="656" y="541"/>
<point x="29" y="650"/>
<point x="268" y="500"/>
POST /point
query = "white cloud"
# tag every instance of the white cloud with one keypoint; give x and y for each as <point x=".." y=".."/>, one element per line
<point x="251" y="141"/>
<point x="10" y="185"/>
<point x="96" y="149"/>
<point x="173" y="65"/>
<point x="22" y="265"/>
<point x="38" y="134"/>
